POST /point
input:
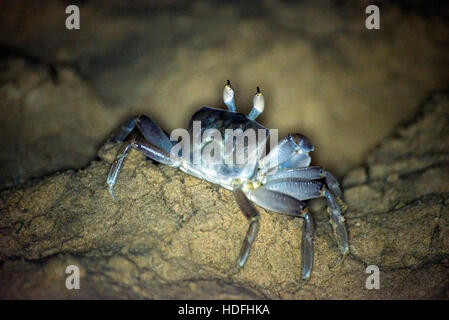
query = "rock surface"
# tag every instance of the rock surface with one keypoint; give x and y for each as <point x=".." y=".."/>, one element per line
<point x="50" y="119"/>
<point x="173" y="236"/>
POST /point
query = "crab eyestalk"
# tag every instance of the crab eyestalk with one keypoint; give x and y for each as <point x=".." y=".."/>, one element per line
<point x="228" y="96"/>
<point x="258" y="105"/>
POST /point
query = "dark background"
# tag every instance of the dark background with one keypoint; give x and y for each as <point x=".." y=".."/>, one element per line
<point x="322" y="72"/>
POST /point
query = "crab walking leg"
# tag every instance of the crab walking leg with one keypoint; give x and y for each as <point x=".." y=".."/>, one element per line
<point x="304" y="190"/>
<point x="333" y="185"/>
<point x="124" y="130"/>
<point x="150" y="130"/>
<point x="308" y="231"/>
<point x="252" y="215"/>
<point x="299" y="189"/>
<point x="275" y="201"/>
<point x="286" y="204"/>
<point x="337" y="220"/>
<point x="148" y="149"/>
<point x="116" y="166"/>
<point x="153" y="133"/>
<point x="308" y="173"/>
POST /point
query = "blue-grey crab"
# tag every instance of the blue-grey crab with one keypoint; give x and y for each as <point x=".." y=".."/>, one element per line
<point x="280" y="181"/>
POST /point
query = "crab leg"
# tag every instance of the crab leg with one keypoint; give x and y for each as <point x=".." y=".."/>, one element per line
<point x="337" y="221"/>
<point x="150" y="130"/>
<point x="333" y="184"/>
<point x="309" y="173"/>
<point x="252" y="215"/>
<point x="286" y="204"/>
<point x="308" y="231"/>
<point x="306" y="173"/>
<point x="303" y="190"/>
<point x="124" y="130"/>
<point x="275" y="201"/>
<point x="296" y="188"/>
<point x="117" y="165"/>
<point x="153" y="152"/>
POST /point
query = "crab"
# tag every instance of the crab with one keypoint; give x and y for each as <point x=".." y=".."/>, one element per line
<point x="281" y="181"/>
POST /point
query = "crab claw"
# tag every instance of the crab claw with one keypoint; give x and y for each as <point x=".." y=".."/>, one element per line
<point x="258" y="105"/>
<point x="228" y="96"/>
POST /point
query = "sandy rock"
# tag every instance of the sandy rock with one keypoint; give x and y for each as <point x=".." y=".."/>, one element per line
<point x="50" y="120"/>
<point x="170" y="235"/>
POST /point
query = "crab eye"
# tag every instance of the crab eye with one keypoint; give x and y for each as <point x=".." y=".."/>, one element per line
<point x="258" y="105"/>
<point x="228" y="93"/>
<point x="259" y="102"/>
